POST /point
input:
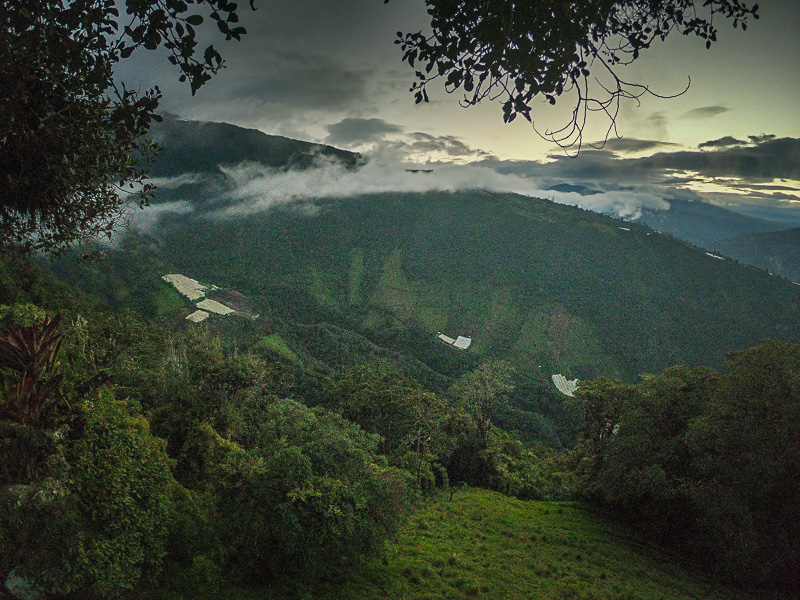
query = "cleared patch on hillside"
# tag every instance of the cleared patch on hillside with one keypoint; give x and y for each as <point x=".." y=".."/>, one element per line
<point x="278" y="345"/>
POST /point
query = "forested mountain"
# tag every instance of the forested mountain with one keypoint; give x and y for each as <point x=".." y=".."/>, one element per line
<point x="777" y="252"/>
<point x="203" y="147"/>
<point x="550" y="288"/>
<point x="702" y="224"/>
<point x="271" y="451"/>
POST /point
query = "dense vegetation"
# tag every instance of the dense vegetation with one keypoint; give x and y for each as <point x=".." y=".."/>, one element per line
<point x="704" y="461"/>
<point x="549" y="288"/>
<point x="134" y="451"/>
<point x="237" y="480"/>
<point x="282" y="447"/>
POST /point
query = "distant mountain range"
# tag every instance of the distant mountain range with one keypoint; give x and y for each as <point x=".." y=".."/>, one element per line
<point x="699" y="223"/>
<point x="703" y="224"/>
<point x="777" y="252"/>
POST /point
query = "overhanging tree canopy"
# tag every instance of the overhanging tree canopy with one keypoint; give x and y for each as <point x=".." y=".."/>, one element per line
<point x="70" y="135"/>
<point x="516" y="51"/>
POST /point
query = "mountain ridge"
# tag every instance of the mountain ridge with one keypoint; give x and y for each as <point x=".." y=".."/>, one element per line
<point x="203" y="146"/>
<point x="777" y="252"/>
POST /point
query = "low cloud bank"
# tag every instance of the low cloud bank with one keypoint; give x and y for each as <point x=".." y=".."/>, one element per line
<point x="256" y="189"/>
<point x="759" y="174"/>
<point x="146" y="220"/>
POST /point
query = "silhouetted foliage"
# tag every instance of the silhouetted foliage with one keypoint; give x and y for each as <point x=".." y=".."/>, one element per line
<point x="71" y="151"/>
<point x="516" y="52"/>
<point x="84" y="487"/>
<point x="28" y="371"/>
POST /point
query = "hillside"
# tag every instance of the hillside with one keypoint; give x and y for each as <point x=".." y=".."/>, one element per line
<point x="202" y="147"/>
<point x="549" y="287"/>
<point x="777" y="252"/>
<point x="285" y="442"/>
<point x="480" y="544"/>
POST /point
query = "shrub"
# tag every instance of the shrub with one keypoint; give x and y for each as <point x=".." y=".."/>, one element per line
<point x="96" y="522"/>
<point x="311" y="497"/>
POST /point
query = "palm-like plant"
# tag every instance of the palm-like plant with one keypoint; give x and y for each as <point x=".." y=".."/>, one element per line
<point x="28" y="372"/>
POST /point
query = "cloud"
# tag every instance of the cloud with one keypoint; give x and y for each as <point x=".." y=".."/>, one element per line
<point x="727" y="171"/>
<point x="255" y="189"/>
<point x="760" y="139"/>
<point x="302" y="80"/>
<point x="420" y="146"/>
<point x="723" y="142"/>
<point x="300" y="66"/>
<point x="761" y="163"/>
<point x="728" y="141"/>
<point x="145" y="220"/>
<point x="352" y="132"/>
<point x="386" y="144"/>
<point x="292" y="90"/>
<point x="171" y="183"/>
<point x="622" y="204"/>
<point x="631" y="145"/>
<point x="705" y="112"/>
<point x="773" y="159"/>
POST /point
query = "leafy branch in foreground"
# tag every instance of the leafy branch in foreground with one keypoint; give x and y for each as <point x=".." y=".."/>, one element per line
<point x="515" y="52"/>
<point x="72" y="157"/>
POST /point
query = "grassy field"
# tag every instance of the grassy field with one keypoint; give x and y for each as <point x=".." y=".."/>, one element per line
<point x="481" y="544"/>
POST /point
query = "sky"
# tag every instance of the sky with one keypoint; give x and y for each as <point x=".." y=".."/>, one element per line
<point x="330" y="72"/>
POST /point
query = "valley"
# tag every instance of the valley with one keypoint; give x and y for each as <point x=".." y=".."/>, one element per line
<point x="407" y="372"/>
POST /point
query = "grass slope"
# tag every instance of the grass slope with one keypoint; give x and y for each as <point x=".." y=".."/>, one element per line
<point x="481" y="544"/>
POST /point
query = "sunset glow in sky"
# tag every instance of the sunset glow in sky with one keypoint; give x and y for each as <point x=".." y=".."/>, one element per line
<point x="330" y="72"/>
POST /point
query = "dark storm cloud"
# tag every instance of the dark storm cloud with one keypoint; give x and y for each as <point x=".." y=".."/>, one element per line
<point x="445" y="144"/>
<point x="302" y="63"/>
<point x="761" y="163"/>
<point x="419" y="147"/>
<point x="723" y="142"/>
<point x="351" y="131"/>
<point x="760" y="139"/>
<point x="390" y="142"/>
<point x="705" y="112"/>
<point x="773" y="159"/>
<point x="766" y="187"/>
<point x="742" y="167"/>
<point x="630" y="145"/>
<point x="296" y="79"/>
